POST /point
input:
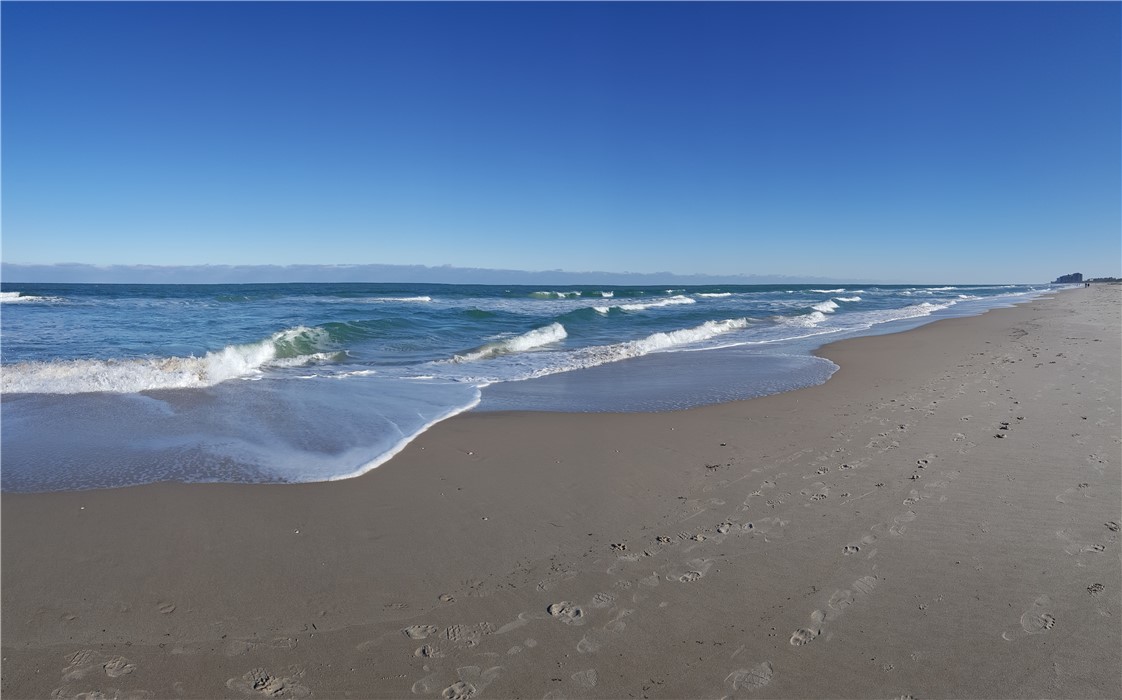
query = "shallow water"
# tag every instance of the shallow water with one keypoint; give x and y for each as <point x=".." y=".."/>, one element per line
<point x="112" y="385"/>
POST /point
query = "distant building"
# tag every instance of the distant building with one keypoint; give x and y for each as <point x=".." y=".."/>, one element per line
<point x="1073" y="278"/>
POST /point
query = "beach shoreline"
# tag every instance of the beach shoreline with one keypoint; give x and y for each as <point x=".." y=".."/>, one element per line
<point x="933" y="520"/>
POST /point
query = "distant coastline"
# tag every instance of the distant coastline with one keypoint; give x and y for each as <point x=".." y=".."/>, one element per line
<point x="379" y="273"/>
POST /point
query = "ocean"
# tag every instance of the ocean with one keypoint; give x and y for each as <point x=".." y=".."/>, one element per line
<point x="115" y="385"/>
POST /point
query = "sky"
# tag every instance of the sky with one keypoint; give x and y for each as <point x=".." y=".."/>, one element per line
<point x="916" y="142"/>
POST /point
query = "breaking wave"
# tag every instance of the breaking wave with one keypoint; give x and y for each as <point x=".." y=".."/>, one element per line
<point x="603" y="354"/>
<point x="536" y="338"/>
<point x="292" y="347"/>
<point x="385" y="299"/>
<point x="20" y="298"/>
<point x="827" y="307"/>
<point x="672" y="301"/>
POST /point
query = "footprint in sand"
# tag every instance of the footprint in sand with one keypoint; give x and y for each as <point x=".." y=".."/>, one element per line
<point x="261" y="682"/>
<point x="165" y="608"/>
<point x="469" y="635"/>
<point x="1083" y="490"/>
<point x="585" y="679"/>
<point x="1035" y="623"/>
<point x="79" y="664"/>
<point x="806" y="635"/>
<point x="587" y="646"/>
<point x="865" y="584"/>
<point x="616" y="624"/>
<point x="698" y="569"/>
<point x="472" y="682"/>
<point x="850" y="549"/>
<point x="1037" y="619"/>
<point x="899" y="526"/>
<point x="428" y="651"/>
<point x="569" y="613"/>
<point x="1073" y="548"/>
<point x="426" y="685"/>
<point x="419" y="631"/>
<point x="840" y="600"/>
<point x="118" y="666"/>
<point x="460" y="690"/>
<point x="751" y="679"/>
<point x="803" y="636"/>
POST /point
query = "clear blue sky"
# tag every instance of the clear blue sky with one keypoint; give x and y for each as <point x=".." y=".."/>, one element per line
<point x="934" y="142"/>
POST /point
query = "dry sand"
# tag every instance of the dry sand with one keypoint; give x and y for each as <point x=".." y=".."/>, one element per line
<point x="940" y="519"/>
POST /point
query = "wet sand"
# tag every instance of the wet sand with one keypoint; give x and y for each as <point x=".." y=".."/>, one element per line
<point x="940" y="519"/>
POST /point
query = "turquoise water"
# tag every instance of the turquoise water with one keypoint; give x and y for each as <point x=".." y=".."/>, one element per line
<point x="113" y="385"/>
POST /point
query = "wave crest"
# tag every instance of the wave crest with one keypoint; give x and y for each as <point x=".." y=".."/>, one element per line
<point x="538" y="337"/>
<point x="21" y="298"/>
<point x="603" y="354"/>
<point x="827" y="307"/>
<point x="555" y="295"/>
<point x="672" y="301"/>
<point x="288" y="348"/>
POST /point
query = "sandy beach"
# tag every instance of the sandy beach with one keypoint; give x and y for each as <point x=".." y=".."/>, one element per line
<point x="939" y="519"/>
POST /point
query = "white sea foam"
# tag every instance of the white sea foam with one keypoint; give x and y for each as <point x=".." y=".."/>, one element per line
<point x="714" y="294"/>
<point x="865" y="319"/>
<point x="827" y="307"/>
<point x="827" y="291"/>
<point x="584" y="358"/>
<point x="607" y="295"/>
<point x="386" y="299"/>
<point x="807" y="320"/>
<point x="287" y="348"/>
<point x="925" y="308"/>
<point x="555" y="295"/>
<point x="404" y="442"/>
<point x="302" y="360"/>
<point x="20" y="298"/>
<point x="847" y="298"/>
<point x="941" y="289"/>
<point x="536" y="338"/>
<point x="672" y="301"/>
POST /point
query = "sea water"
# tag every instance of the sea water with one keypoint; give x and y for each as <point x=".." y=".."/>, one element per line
<point x="115" y="385"/>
